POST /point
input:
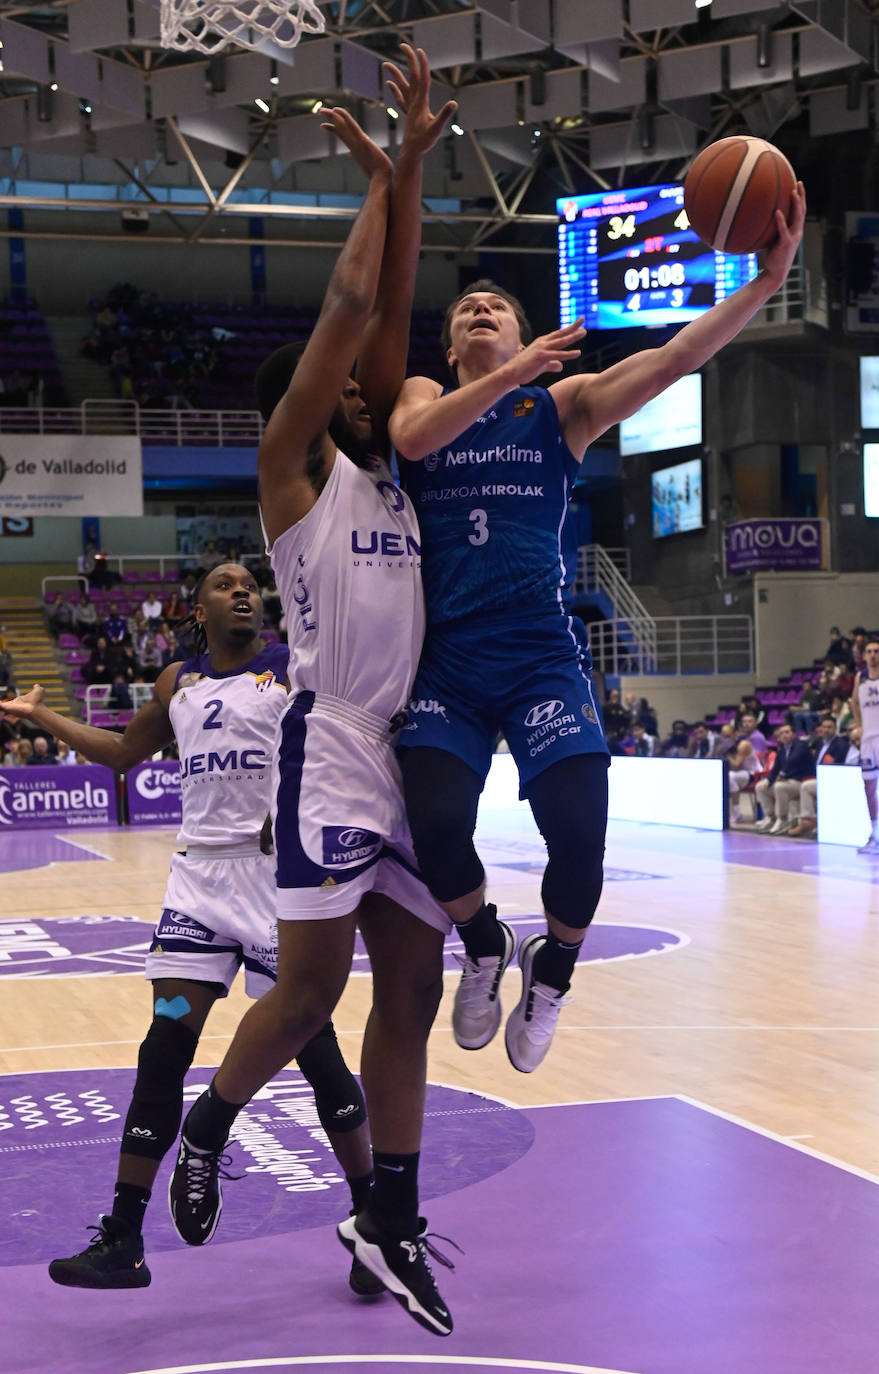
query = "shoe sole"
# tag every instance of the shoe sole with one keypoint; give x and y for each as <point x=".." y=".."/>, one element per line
<point x="479" y="1044"/>
<point x="137" y="1278"/>
<point x="371" y="1257"/>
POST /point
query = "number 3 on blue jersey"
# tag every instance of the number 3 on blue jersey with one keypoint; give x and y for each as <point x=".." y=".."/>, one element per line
<point x="479" y="520"/>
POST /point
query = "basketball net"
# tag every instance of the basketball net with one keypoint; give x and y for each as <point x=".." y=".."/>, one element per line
<point x="209" y="26"/>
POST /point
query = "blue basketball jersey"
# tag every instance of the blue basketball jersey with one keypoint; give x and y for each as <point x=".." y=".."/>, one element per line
<point x="492" y="508"/>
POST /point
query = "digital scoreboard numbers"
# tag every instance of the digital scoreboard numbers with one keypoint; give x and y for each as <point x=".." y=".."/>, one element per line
<point x="629" y="258"/>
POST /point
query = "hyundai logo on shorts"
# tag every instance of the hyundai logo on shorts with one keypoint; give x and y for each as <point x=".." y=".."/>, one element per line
<point x="352" y="839"/>
<point x="539" y="715"/>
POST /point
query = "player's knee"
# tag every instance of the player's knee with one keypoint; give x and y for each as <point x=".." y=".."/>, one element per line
<point x="337" y="1095"/>
<point x="572" y="884"/>
<point x="441" y="798"/>
<point x="157" y="1100"/>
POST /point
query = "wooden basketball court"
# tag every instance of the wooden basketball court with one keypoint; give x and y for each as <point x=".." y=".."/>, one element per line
<point x="732" y="979"/>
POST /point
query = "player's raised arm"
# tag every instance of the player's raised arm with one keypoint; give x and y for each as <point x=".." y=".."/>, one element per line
<point x="296" y="434"/>
<point x="423" y="418"/>
<point x="589" y="405"/>
<point x="381" y="362"/>
<point x="148" y="732"/>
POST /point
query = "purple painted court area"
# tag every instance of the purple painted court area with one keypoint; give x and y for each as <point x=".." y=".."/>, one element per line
<point x="55" y="1126"/>
<point x="645" y="1236"/>
<point x="73" y="946"/>
<point x="24" y="849"/>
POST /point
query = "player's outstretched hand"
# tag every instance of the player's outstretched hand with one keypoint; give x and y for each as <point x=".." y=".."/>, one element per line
<point x="778" y="258"/>
<point x="549" y="352"/>
<point x="411" y="93"/>
<point x="22" y="705"/>
<point x="368" y="156"/>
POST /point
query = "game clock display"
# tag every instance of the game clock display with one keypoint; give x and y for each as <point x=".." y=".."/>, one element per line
<point x="629" y="258"/>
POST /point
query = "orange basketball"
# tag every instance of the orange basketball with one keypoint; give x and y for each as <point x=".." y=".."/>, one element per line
<point x="733" y="190"/>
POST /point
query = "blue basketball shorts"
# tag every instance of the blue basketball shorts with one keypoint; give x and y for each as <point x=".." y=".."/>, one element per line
<point x="528" y="679"/>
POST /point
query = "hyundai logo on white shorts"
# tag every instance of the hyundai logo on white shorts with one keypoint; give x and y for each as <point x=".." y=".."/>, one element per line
<point x="539" y="715"/>
<point x="353" y="839"/>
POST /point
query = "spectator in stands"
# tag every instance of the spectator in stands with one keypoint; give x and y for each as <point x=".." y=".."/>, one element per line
<point x="139" y="632"/>
<point x="633" y="706"/>
<point x="61" y="615"/>
<point x="175" y="607"/>
<point x="830" y="748"/>
<point x="755" y="706"/>
<point x="86" y="618"/>
<point x="644" y="745"/>
<point x="41" y="755"/>
<point x="859" y="640"/>
<point x="65" y="754"/>
<point x="616" y="717"/>
<point x="115" y="627"/>
<point x="725" y="741"/>
<point x="841" y="710"/>
<point x="839" y="650"/>
<point x="98" y="671"/>
<point x="22" y="752"/>
<point x="120" y="696"/>
<point x="807" y="712"/>
<point x="675" y="746"/>
<point x="210" y="556"/>
<point x="187" y="589"/>
<point x="151" y="607"/>
<point x="779" y="793"/>
<point x="746" y="759"/>
<point x="702" y="742"/>
<point x="129" y="665"/>
<point x="151" y="659"/>
<point x="263" y="571"/>
<point x="754" y="735"/>
<point x="171" y="652"/>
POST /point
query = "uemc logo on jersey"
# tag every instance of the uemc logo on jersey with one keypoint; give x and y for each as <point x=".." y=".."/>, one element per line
<point x="344" y="845"/>
<point x="386" y="543"/>
<point x="215" y="764"/>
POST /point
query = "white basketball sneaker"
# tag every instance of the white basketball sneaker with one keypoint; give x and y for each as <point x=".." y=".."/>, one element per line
<point x="477" y="1012"/>
<point x="532" y="1022"/>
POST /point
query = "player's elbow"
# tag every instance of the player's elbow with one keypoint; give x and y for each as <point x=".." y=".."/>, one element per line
<point x="406" y="436"/>
<point x="350" y="299"/>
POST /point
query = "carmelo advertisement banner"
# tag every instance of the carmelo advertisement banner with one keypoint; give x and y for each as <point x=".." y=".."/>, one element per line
<point x="70" y="474"/>
<point x="57" y="798"/>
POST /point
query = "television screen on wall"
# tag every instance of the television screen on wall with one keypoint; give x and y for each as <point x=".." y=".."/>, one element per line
<point x="673" y="419"/>
<point x="871" y="479"/>
<point x="870" y="392"/>
<point x="676" y="499"/>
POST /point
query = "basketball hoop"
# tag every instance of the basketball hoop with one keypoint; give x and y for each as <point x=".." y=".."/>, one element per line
<point x="209" y="26"/>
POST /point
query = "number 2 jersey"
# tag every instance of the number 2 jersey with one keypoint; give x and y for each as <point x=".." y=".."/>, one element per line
<point x="227" y="727"/>
<point x="491" y="506"/>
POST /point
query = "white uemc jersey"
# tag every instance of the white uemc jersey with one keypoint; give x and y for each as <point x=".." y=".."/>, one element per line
<point x="349" y="576"/>
<point x="868" y="700"/>
<point x="227" y="727"/>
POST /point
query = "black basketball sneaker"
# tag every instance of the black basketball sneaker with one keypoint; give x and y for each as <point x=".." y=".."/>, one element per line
<point x="114" y="1259"/>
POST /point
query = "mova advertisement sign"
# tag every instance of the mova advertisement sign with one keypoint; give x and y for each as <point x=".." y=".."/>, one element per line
<point x="781" y="544"/>
<point x="55" y="798"/>
<point x="153" y="792"/>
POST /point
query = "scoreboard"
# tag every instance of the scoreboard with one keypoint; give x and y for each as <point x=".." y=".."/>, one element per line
<point x="630" y="258"/>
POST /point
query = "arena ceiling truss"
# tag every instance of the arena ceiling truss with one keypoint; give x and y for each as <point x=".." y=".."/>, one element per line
<point x="555" y="97"/>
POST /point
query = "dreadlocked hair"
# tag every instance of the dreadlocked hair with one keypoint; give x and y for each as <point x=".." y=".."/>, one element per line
<point x="190" y="627"/>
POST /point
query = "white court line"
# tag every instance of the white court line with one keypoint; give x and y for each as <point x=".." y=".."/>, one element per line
<point x="791" y="1142"/>
<point x="444" y="1362"/>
